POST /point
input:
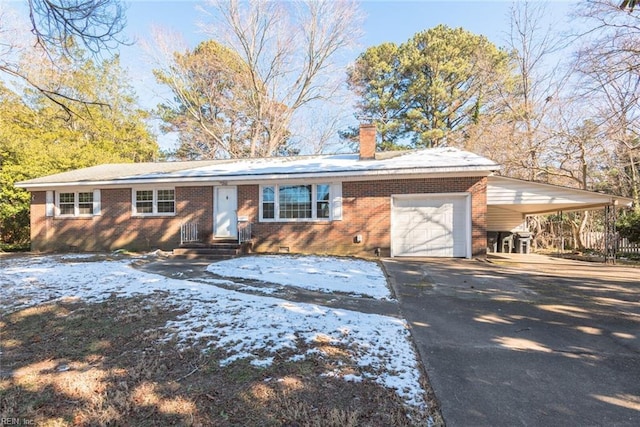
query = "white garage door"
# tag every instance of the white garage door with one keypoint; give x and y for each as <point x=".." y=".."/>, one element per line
<point x="430" y="226"/>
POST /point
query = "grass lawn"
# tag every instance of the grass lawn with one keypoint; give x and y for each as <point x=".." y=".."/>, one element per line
<point x="88" y="342"/>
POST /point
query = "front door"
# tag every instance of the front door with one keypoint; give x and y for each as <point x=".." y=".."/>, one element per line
<point x="226" y="212"/>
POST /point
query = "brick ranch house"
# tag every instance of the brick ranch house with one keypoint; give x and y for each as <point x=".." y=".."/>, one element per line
<point x="431" y="202"/>
<point x="423" y="202"/>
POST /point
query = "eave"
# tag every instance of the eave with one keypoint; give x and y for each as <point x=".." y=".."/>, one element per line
<point x="231" y="179"/>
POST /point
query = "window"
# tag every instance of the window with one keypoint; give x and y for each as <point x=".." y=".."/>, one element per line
<point x="296" y="202"/>
<point x="268" y="203"/>
<point x="166" y="201"/>
<point x="322" y="201"/>
<point x="75" y="204"/>
<point x="85" y="203"/>
<point x="144" y="202"/>
<point x="154" y="202"/>
<point x="67" y="204"/>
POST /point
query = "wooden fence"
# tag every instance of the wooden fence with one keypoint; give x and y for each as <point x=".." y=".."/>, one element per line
<point x="624" y="246"/>
<point x="595" y="240"/>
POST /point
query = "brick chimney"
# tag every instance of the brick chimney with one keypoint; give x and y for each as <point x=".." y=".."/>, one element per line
<point x="367" y="141"/>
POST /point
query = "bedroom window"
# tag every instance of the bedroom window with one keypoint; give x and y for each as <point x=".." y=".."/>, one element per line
<point x="154" y="202"/>
<point x="300" y="202"/>
<point x="74" y="204"/>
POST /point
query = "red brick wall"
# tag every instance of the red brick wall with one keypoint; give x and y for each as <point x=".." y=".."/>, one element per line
<point x="366" y="207"/>
<point x="367" y="141"/>
<point x="115" y="228"/>
<point x="40" y="225"/>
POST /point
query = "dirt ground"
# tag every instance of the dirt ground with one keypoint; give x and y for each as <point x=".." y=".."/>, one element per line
<point x="73" y="363"/>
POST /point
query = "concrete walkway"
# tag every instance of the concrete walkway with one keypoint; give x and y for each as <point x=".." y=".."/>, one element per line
<point x="525" y="341"/>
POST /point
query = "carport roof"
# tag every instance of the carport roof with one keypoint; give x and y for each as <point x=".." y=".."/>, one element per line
<point x="531" y="198"/>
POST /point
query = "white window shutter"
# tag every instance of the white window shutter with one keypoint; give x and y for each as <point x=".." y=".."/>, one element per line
<point x="96" y="202"/>
<point x="50" y="206"/>
<point x="336" y="201"/>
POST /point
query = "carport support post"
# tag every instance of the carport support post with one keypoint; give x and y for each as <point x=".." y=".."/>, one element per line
<point x="560" y="238"/>
<point x="610" y="234"/>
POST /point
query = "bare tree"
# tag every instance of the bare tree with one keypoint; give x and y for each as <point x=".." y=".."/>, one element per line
<point x="629" y="4"/>
<point x="59" y="28"/>
<point x="618" y="113"/>
<point x="579" y="155"/>
<point x="609" y="62"/>
<point x="95" y="24"/>
<point x="612" y="35"/>
<point x="537" y="88"/>
<point x="210" y="85"/>
<point x="291" y="50"/>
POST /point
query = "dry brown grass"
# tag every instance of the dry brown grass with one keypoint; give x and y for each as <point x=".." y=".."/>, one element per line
<point x="72" y="363"/>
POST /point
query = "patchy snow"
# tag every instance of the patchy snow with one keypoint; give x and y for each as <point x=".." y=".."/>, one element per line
<point x="246" y="326"/>
<point x="425" y="161"/>
<point x="221" y="282"/>
<point x="266" y="291"/>
<point x="440" y="158"/>
<point x="326" y="274"/>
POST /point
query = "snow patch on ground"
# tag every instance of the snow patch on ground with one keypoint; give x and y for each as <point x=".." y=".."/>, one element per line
<point x="247" y="326"/>
<point x="326" y="274"/>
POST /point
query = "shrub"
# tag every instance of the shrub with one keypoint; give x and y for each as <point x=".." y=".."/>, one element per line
<point x="629" y="225"/>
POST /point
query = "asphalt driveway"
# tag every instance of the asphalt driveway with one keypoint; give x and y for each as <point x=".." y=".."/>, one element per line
<point x="528" y="340"/>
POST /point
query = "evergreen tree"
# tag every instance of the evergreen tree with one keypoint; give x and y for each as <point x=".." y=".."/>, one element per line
<point x="37" y="138"/>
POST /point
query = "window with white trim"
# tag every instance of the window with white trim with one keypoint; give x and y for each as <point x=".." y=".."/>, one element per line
<point x="154" y="202"/>
<point x="268" y="202"/>
<point x="166" y="201"/>
<point x="72" y="204"/>
<point x="85" y="203"/>
<point x="323" y="201"/>
<point x="295" y="202"/>
<point x="67" y="204"/>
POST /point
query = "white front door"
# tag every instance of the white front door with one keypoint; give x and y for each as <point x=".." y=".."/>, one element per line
<point x="225" y="212"/>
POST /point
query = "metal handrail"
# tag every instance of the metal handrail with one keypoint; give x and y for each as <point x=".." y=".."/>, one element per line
<point x="244" y="232"/>
<point x="188" y="232"/>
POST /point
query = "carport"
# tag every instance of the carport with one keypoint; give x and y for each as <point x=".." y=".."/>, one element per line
<point x="510" y="201"/>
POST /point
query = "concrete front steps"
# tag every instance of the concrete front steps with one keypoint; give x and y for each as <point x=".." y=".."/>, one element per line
<point x="223" y="249"/>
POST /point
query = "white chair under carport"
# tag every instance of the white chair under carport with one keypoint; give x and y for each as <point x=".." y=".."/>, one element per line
<point x="510" y="201"/>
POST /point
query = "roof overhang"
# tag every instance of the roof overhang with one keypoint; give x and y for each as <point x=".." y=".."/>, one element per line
<point x="432" y="162"/>
<point x="534" y="198"/>
<point x="232" y="179"/>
